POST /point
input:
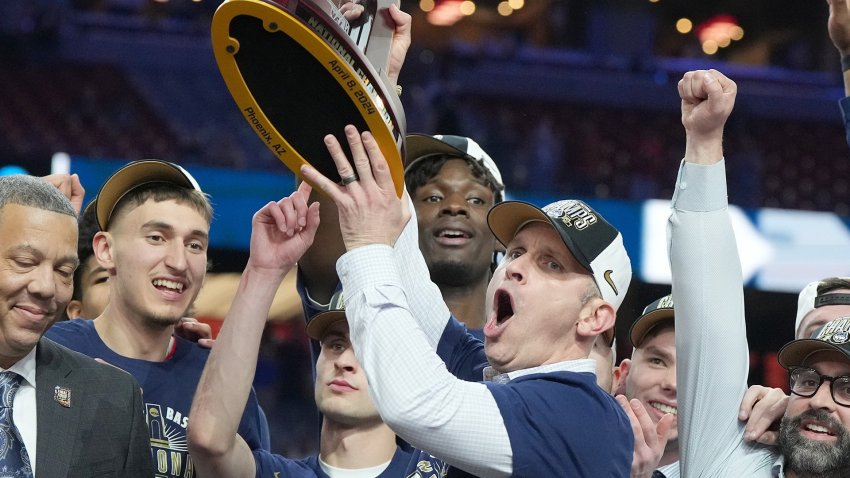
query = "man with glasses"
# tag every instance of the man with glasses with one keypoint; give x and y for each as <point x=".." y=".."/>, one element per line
<point x="711" y="343"/>
<point x="813" y="436"/>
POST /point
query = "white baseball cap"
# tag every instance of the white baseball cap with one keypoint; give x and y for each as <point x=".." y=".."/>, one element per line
<point x="810" y="300"/>
<point x="422" y="146"/>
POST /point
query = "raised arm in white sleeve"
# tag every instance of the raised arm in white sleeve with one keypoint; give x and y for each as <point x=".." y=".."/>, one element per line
<point x="711" y="339"/>
<point x="424" y="297"/>
<point x="456" y="421"/>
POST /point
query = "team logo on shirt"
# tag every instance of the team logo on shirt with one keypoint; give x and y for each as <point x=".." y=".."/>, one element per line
<point x="169" y="446"/>
<point x="429" y="468"/>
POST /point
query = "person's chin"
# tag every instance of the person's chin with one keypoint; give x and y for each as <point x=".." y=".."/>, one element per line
<point x="494" y="354"/>
<point x="165" y="318"/>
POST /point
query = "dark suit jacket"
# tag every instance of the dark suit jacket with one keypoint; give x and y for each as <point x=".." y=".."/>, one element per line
<point x="102" y="433"/>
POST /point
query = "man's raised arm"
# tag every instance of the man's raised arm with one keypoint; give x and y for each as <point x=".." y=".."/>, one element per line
<point x="281" y="232"/>
<point x="711" y="341"/>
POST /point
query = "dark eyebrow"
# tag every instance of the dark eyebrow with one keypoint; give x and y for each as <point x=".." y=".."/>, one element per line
<point x="164" y="226"/>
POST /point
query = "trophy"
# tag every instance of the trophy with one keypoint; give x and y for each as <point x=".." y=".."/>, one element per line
<point x="299" y="70"/>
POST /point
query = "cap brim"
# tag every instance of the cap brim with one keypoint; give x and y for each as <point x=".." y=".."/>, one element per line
<point x="318" y="326"/>
<point x="132" y="176"/>
<point x="506" y="218"/>
<point x="421" y="146"/>
<point x="645" y="323"/>
<point x="796" y="353"/>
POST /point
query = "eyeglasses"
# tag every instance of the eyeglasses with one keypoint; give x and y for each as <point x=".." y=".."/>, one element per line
<point x="805" y="382"/>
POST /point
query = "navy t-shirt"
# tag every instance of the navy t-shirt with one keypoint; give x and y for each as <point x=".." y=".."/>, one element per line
<point x="404" y="464"/>
<point x="167" y="391"/>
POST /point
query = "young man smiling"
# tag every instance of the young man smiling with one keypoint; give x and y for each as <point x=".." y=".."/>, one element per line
<point x="453" y="184"/>
<point x="650" y="375"/>
<point x="154" y="232"/>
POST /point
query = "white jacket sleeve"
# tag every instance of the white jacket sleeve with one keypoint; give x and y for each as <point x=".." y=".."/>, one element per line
<point x="424" y="297"/>
<point x="711" y="338"/>
<point x="456" y="421"/>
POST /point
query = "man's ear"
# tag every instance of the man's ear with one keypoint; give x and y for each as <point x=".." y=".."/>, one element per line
<point x="74" y="308"/>
<point x="621" y="373"/>
<point x="597" y="316"/>
<point x="102" y="246"/>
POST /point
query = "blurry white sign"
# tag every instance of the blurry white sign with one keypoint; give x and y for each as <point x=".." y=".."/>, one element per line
<point x="783" y="251"/>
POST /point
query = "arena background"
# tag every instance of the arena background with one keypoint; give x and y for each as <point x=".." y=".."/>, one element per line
<point x="573" y="98"/>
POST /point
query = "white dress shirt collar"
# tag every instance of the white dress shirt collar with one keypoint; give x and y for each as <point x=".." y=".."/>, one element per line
<point x="25" y="367"/>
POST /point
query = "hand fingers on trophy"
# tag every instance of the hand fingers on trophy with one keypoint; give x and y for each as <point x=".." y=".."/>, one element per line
<point x="347" y="174"/>
<point x="378" y="163"/>
<point x="358" y="154"/>
<point x="351" y="10"/>
<point x="334" y="189"/>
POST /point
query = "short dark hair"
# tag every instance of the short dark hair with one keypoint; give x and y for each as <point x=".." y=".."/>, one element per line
<point x="833" y="283"/>
<point x="88" y="228"/>
<point x="424" y="170"/>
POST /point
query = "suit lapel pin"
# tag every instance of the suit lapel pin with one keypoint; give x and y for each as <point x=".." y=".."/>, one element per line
<point x="62" y="396"/>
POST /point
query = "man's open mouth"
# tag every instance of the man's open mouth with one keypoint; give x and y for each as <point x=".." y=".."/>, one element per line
<point x="504" y="307"/>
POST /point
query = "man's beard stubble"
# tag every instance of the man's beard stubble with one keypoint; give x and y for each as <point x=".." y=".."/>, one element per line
<point x="161" y="321"/>
<point x="809" y="458"/>
<point x="456" y="273"/>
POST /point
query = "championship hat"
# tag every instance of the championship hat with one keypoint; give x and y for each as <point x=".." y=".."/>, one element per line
<point x="423" y="146"/>
<point x="810" y="298"/>
<point x="318" y="326"/>
<point x="658" y="311"/>
<point x="133" y="175"/>
<point x="595" y="243"/>
<point x="832" y="336"/>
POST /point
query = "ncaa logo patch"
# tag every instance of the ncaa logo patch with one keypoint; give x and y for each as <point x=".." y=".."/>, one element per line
<point x="62" y="395"/>
<point x="840" y="337"/>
